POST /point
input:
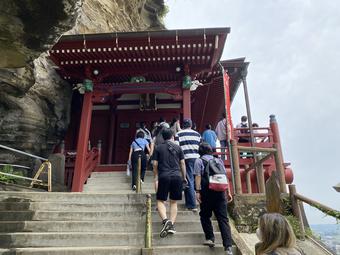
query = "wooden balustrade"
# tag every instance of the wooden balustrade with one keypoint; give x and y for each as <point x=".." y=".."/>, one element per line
<point x="296" y="206"/>
<point x="271" y="152"/>
<point x="92" y="159"/>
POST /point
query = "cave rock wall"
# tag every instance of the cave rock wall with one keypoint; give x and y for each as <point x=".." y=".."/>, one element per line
<point x="34" y="100"/>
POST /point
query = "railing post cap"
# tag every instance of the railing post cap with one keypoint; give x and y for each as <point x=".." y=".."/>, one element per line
<point x="272" y="118"/>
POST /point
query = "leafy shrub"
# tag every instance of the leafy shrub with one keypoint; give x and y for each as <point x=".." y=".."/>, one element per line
<point x="8" y="169"/>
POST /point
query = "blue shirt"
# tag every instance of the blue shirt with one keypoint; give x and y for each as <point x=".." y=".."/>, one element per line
<point x="209" y="136"/>
<point x="142" y="143"/>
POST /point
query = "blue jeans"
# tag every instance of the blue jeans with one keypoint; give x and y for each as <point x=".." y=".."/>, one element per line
<point x="190" y="196"/>
<point x="223" y="144"/>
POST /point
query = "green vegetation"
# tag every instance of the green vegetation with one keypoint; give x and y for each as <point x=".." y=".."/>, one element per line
<point x="9" y="179"/>
<point x="294" y="222"/>
<point x="163" y="12"/>
<point x="333" y="213"/>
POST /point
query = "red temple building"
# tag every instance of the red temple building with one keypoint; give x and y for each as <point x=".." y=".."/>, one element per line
<point x="126" y="78"/>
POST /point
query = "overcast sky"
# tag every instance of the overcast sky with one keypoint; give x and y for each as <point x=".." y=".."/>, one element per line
<point x="294" y="73"/>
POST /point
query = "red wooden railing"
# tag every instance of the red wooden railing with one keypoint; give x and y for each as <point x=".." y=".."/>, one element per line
<point x="263" y="137"/>
<point x="92" y="160"/>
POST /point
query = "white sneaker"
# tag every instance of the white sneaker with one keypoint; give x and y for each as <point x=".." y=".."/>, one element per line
<point x="228" y="251"/>
<point x="209" y="243"/>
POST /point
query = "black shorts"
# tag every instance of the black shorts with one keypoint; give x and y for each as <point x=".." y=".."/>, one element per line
<point x="172" y="185"/>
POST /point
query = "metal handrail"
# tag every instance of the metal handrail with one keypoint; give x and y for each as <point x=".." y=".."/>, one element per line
<point x="40" y="170"/>
<point x="22" y="152"/>
<point x="35" y="179"/>
<point x="19" y="166"/>
<point x="139" y="168"/>
<point x="18" y="176"/>
<point x="148" y="223"/>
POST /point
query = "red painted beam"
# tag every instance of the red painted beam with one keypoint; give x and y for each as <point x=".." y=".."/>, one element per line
<point x="135" y="88"/>
<point x="111" y="131"/>
<point x="186" y="104"/>
<point x="83" y="138"/>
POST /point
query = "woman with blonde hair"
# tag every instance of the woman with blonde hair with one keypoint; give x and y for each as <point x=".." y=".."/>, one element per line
<point x="276" y="236"/>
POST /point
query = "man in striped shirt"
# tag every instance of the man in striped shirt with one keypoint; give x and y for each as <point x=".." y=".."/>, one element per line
<point x="189" y="141"/>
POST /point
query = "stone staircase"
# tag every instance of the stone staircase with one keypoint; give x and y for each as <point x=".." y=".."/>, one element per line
<point x="107" y="218"/>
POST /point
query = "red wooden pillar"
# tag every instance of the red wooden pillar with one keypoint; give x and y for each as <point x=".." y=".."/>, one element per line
<point x="83" y="138"/>
<point x="186" y="104"/>
<point x="276" y="134"/>
<point x="111" y="132"/>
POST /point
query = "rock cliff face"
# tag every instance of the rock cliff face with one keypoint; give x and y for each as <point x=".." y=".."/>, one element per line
<point x="34" y="100"/>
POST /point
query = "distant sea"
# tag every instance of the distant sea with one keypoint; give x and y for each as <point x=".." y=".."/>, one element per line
<point x="329" y="234"/>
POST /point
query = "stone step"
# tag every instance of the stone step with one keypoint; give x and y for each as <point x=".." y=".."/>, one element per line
<point x="115" y="174"/>
<point x="114" y="191"/>
<point x="183" y="238"/>
<point x="67" y="239"/>
<point x="84" y="215"/>
<point x="72" y="226"/>
<point x="74" y="197"/>
<point x="95" y="226"/>
<point x="65" y="206"/>
<point x="108" y="180"/>
<point x="117" y="186"/>
<point x="95" y="239"/>
<point x="108" y="250"/>
<point x="191" y="250"/>
<point x="114" y="181"/>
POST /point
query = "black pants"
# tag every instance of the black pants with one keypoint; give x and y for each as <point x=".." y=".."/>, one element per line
<point x="134" y="163"/>
<point x="214" y="201"/>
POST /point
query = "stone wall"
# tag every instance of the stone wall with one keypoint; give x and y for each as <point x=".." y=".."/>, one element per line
<point x="34" y="100"/>
<point x="246" y="210"/>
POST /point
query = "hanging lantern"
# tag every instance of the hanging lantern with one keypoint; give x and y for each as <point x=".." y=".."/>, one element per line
<point x="186" y="84"/>
<point x="88" y="85"/>
<point x="137" y="79"/>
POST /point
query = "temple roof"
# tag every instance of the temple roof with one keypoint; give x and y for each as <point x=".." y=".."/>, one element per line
<point x="156" y="55"/>
<point x="234" y="68"/>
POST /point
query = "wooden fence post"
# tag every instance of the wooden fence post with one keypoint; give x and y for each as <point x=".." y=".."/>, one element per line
<point x="236" y="165"/>
<point x="280" y="169"/>
<point x="296" y="209"/>
<point x="248" y="180"/>
<point x="260" y="178"/>
<point x="273" y="198"/>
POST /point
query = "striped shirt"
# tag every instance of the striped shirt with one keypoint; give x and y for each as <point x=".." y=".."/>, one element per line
<point x="189" y="140"/>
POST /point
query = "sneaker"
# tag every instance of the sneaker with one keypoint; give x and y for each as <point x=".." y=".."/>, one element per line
<point x="141" y="181"/>
<point x="209" y="243"/>
<point x="228" y="251"/>
<point x="172" y="229"/>
<point x="195" y="210"/>
<point x="134" y="187"/>
<point x="166" y="226"/>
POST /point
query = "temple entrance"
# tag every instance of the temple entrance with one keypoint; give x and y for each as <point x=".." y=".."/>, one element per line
<point x="115" y="124"/>
<point x="127" y="124"/>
